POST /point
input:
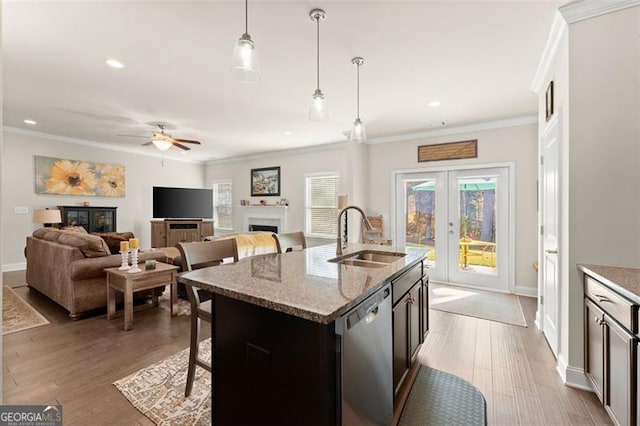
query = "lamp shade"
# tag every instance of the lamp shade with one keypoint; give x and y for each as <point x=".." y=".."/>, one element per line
<point x="161" y="144"/>
<point x="245" y="60"/>
<point x="343" y="201"/>
<point x="47" y="216"/>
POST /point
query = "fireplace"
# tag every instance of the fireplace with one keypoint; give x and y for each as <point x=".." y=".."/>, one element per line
<point x="265" y="228"/>
<point x="265" y="218"/>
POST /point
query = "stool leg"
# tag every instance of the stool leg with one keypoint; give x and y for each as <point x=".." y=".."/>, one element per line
<point x="193" y="351"/>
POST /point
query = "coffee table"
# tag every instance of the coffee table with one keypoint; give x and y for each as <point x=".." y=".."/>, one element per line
<point x="129" y="283"/>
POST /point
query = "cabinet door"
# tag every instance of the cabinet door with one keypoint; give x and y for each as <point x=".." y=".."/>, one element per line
<point x="191" y="235"/>
<point x="400" y="345"/>
<point x="424" y="309"/>
<point x="620" y="347"/>
<point x="414" y="320"/>
<point x="158" y="237"/>
<point x="102" y="221"/>
<point x="206" y="229"/>
<point x="594" y="346"/>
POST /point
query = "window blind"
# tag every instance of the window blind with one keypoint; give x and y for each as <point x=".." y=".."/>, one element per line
<point x="223" y="204"/>
<point x="322" y="205"/>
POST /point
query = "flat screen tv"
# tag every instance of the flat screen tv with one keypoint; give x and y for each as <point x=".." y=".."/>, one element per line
<point x="182" y="203"/>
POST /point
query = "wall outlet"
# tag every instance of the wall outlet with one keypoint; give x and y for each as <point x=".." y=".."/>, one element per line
<point x="21" y="210"/>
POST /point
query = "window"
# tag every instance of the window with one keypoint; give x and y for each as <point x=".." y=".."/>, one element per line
<point x="223" y="204"/>
<point x="321" y="216"/>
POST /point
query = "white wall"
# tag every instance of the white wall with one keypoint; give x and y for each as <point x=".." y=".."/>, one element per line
<point x="134" y="210"/>
<point x="517" y="144"/>
<point x="604" y="153"/>
<point x="293" y="168"/>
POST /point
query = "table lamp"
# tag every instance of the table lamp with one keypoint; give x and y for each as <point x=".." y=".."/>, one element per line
<point x="47" y="217"/>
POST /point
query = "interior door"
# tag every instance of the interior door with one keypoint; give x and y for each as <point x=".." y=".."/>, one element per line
<point x="478" y="228"/>
<point x="549" y="268"/>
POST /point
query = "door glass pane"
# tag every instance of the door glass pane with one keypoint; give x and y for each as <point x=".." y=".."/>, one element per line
<point x="477" y="208"/>
<point x="420" y="219"/>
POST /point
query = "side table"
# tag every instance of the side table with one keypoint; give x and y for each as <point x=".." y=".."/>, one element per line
<point x="128" y="284"/>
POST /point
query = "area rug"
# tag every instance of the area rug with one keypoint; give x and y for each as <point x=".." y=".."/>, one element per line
<point x="487" y="305"/>
<point x="17" y="314"/>
<point x="157" y="391"/>
<point x="439" y="398"/>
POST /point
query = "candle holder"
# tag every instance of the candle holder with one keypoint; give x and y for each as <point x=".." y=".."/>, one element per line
<point x="124" y="254"/>
<point x="134" y="262"/>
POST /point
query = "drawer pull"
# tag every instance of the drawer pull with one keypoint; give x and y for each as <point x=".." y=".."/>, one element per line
<point x="602" y="298"/>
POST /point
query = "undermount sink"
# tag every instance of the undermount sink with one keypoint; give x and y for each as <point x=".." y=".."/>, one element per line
<point x="368" y="258"/>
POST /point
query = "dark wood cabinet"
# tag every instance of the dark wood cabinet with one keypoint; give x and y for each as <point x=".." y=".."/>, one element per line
<point x="93" y="219"/>
<point x="410" y="321"/>
<point x="168" y="233"/>
<point x="610" y="350"/>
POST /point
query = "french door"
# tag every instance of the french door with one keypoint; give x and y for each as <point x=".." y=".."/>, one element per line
<point x="462" y="218"/>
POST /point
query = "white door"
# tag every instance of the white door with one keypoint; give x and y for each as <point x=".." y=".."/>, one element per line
<point x="550" y="198"/>
<point x="462" y="218"/>
<point x="479" y="228"/>
<point x="421" y="200"/>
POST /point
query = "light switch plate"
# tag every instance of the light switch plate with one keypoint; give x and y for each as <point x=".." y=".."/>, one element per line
<point x="21" y="210"/>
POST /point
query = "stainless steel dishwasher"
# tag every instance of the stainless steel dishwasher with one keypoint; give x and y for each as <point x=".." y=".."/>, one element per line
<point x="366" y="354"/>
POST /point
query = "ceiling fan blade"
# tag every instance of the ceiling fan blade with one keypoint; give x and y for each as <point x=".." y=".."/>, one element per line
<point x="186" y="141"/>
<point x="148" y="143"/>
<point x="134" y="136"/>
<point x="178" y="145"/>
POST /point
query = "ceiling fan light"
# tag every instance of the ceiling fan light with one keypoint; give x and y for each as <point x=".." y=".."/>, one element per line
<point x="358" y="133"/>
<point x="162" y="144"/>
<point x="318" y="109"/>
<point x="245" y="60"/>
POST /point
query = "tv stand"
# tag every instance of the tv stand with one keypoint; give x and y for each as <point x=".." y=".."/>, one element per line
<point x="169" y="232"/>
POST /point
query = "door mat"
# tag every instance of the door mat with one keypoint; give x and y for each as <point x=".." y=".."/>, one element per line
<point x="487" y="305"/>
<point x="17" y="314"/>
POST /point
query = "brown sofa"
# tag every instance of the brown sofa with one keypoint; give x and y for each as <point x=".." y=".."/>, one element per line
<point x="68" y="267"/>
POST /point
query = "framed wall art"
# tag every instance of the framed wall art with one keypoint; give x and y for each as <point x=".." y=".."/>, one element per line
<point x="61" y="176"/>
<point x="548" y="97"/>
<point x="265" y="182"/>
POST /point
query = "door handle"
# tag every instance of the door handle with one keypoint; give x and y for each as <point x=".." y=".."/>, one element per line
<point x="551" y="251"/>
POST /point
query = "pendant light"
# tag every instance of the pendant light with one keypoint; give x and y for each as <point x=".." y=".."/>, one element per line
<point x="245" y="59"/>
<point x="318" y="109"/>
<point x="358" y="132"/>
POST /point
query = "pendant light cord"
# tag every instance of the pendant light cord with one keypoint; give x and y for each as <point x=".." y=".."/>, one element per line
<point x="318" y="53"/>
<point x="358" y="91"/>
<point x="246" y="16"/>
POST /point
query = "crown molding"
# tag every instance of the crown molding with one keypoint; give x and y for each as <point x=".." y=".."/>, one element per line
<point x="489" y="125"/>
<point x="269" y="154"/>
<point x="580" y="10"/>
<point x="558" y="28"/>
<point x="93" y="144"/>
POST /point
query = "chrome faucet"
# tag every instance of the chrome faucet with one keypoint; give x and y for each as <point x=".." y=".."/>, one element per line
<point x="343" y="244"/>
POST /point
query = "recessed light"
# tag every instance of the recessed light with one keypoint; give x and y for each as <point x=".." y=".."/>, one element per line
<point x="32" y="122"/>
<point x="114" y="63"/>
<point x="434" y="103"/>
<point x="288" y="133"/>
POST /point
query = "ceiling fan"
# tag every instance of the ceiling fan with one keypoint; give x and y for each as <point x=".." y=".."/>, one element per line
<point x="163" y="141"/>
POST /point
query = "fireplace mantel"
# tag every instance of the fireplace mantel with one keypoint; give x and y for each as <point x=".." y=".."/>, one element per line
<point x="265" y="215"/>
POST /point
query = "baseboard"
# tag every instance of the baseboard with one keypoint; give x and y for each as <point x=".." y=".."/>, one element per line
<point x="9" y="267"/>
<point x="526" y="291"/>
<point x="572" y="376"/>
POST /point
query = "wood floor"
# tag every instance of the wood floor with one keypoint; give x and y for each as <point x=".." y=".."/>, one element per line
<point x="74" y="363"/>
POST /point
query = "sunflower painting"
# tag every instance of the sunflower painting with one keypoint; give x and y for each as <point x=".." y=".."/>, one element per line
<point x="70" y="177"/>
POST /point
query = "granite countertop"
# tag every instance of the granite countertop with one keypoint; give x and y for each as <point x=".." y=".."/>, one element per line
<point x="302" y="283"/>
<point x="625" y="281"/>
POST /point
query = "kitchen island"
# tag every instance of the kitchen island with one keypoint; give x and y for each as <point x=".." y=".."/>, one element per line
<point x="276" y="352"/>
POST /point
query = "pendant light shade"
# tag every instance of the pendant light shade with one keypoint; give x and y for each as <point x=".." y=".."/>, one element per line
<point x="245" y="59"/>
<point x="318" y="109"/>
<point x="358" y="133"/>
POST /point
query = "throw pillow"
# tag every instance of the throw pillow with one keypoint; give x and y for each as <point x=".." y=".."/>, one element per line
<point x="89" y="245"/>
<point x="112" y="239"/>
